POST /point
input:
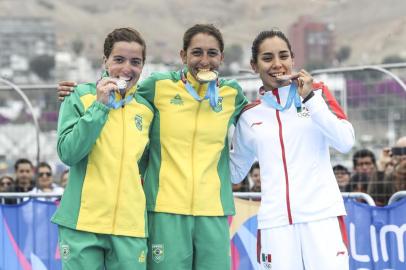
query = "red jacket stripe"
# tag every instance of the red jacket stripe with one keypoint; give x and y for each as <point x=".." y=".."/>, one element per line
<point x="251" y="105"/>
<point x="330" y="100"/>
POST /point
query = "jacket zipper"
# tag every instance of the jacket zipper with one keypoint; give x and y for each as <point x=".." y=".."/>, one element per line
<point x="121" y="170"/>
<point x="193" y="155"/>
<point x="285" y="169"/>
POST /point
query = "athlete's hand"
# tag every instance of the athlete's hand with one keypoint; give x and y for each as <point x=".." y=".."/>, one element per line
<point x="64" y="89"/>
<point x="304" y="82"/>
<point x="104" y="87"/>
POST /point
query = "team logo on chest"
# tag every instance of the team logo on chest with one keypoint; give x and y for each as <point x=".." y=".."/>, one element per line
<point x="177" y="100"/>
<point x="266" y="261"/>
<point x="158" y="254"/>
<point x="219" y="106"/>
<point x="138" y="122"/>
<point x="304" y="112"/>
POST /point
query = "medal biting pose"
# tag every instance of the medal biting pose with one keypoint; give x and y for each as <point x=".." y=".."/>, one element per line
<point x="187" y="181"/>
<point x="103" y="129"/>
<point x="289" y="130"/>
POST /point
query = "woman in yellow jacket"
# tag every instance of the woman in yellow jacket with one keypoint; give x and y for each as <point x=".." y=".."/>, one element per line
<point x="102" y="216"/>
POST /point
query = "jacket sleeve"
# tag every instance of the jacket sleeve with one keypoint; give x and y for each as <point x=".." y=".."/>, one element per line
<point x="330" y="119"/>
<point x="146" y="88"/>
<point x="78" y="129"/>
<point x="242" y="154"/>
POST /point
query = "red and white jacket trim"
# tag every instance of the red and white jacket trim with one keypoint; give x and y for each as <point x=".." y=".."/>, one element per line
<point x="298" y="183"/>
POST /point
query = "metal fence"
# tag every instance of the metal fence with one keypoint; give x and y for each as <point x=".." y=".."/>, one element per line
<point x="20" y="197"/>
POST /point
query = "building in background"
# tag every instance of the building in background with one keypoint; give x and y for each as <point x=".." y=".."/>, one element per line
<point x="22" y="41"/>
<point x="312" y="43"/>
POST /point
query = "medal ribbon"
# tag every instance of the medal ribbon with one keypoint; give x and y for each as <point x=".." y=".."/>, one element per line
<point x="113" y="104"/>
<point x="212" y="93"/>
<point x="293" y="96"/>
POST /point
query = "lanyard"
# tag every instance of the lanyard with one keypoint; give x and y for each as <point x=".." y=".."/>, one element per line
<point x="293" y="96"/>
<point x="113" y="104"/>
<point x="212" y="93"/>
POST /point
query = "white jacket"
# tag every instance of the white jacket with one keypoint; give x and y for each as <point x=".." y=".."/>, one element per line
<point x="297" y="180"/>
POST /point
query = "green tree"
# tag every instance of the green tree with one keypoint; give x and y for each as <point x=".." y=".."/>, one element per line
<point x="42" y="66"/>
<point x="343" y="53"/>
<point x="393" y="59"/>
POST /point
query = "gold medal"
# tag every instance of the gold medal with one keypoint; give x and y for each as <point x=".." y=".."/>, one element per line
<point x="206" y="75"/>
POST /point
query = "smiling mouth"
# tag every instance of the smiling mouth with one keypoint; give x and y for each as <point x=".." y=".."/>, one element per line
<point x="277" y="75"/>
<point x="126" y="78"/>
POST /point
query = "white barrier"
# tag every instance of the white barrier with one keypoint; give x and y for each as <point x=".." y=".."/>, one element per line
<point x="397" y="196"/>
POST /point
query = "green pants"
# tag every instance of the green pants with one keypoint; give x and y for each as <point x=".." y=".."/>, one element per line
<point x="93" y="251"/>
<point x="184" y="242"/>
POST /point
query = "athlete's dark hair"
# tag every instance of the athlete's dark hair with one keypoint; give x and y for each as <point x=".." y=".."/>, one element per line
<point x="264" y="35"/>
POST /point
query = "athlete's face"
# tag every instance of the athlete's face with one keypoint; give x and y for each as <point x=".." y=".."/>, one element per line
<point x="203" y="53"/>
<point x="125" y="61"/>
<point x="274" y="59"/>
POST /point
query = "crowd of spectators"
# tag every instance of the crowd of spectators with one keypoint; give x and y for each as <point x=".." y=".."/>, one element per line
<point x="30" y="179"/>
<point x="380" y="178"/>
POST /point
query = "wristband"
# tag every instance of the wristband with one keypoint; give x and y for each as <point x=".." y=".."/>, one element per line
<point x="309" y="96"/>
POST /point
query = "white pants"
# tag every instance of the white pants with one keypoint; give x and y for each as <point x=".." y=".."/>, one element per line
<point x="316" y="245"/>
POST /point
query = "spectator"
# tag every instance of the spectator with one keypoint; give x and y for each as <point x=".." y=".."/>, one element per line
<point x="359" y="183"/>
<point x="343" y="177"/>
<point x="45" y="183"/>
<point x="255" y="177"/>
<point x="399" y="176"/>
<point x="64" y="178"/>
<point x="398" y="152"/>
<point x="364" y="162"/>
<point x="241" y="187"/>
<point x="395" y="181"/>
<point x="392" y="156"/>
<point x="6" y="183"/>
<point x="24" y="173"/>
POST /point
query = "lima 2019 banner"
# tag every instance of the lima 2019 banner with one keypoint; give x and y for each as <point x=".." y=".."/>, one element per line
<point x="28" y="241"/>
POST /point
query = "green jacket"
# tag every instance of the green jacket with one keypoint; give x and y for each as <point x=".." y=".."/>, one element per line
<point x="103" y="146"/>
<point x="188" y="169"/>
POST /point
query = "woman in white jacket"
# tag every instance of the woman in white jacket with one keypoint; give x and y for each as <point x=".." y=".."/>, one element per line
<point x="289" y="130"/>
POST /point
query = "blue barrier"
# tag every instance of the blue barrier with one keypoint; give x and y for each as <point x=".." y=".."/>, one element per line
<point x="377" y="235"/>
<point x="28" y="241"/>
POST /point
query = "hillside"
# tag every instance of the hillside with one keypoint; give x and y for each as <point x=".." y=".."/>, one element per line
<point x="374" y="29"/>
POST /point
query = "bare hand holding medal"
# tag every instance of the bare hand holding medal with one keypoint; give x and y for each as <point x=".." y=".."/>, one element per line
<point x="303" y="80"/>
<point x="107" y="86"/>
